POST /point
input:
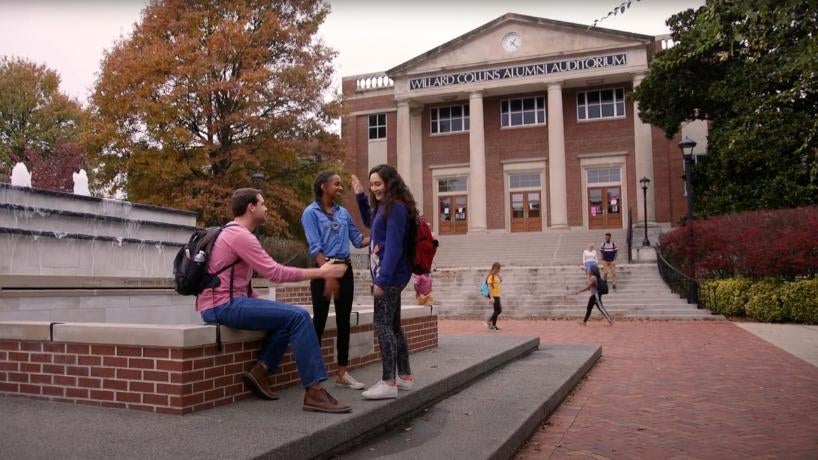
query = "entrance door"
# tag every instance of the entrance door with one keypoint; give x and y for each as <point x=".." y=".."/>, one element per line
<point x="604" y="207"/>
<point x="526" y="215"/>
<point x="453" y="215"/>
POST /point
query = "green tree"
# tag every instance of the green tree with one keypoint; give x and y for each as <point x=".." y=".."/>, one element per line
<point x="204" y="94"/>
<point x="751" y="70"/>
<point x="38" y="124"/>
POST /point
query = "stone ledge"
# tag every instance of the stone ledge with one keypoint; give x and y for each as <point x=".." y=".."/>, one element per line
<point x="159" y="335"/>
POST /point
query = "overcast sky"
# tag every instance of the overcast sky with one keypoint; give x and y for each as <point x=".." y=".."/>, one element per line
<point x="370" y="36"/>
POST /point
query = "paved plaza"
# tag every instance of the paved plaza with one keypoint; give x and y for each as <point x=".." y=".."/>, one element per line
<point x="674" y="390"/>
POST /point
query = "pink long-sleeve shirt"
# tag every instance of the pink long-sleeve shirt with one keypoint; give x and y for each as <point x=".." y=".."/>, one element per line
<point x="237" y="243"/>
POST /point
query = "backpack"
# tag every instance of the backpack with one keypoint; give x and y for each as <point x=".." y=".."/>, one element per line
<point x="190" y="273"/>
<point x="423" y="251"/>
<point x="601" y="285"/>
<point x="484" y="288"/>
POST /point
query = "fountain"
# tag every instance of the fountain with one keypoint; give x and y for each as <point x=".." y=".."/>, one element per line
<point x="20" y="176"/>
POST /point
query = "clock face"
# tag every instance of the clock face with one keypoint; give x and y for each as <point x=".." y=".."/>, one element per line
<point x="511" y="41"/>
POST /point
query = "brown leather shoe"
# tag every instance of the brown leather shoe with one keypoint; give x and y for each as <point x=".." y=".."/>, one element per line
<point x="319" y="400"/>
<point x="259" y="382"/>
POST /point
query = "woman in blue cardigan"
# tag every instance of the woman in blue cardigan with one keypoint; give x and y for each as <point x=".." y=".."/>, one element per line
<point x="392" y="210"/>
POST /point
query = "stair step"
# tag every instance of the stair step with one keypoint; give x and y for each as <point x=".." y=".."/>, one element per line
<point x="491" y="418"/>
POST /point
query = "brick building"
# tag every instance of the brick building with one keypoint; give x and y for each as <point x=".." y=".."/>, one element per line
<point x="523" y="124"/>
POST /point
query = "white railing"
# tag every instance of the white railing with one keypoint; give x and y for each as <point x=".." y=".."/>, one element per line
<point x="665" y="41"/>
<point x="373" y="81"/>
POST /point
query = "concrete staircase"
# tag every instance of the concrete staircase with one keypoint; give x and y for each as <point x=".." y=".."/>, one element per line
<point x="548" y="292"/>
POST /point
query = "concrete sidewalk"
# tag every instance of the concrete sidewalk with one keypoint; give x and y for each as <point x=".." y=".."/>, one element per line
<point x="253" y="428"/>
<point x="797" y="339"/>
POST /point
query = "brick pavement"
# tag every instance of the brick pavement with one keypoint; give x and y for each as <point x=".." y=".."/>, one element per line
<point x="674" y="390"/>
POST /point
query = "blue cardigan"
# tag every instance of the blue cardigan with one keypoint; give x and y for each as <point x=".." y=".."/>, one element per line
<point x="388" y="264"/>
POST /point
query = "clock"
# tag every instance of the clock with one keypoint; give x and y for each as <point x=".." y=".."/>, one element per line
<point x="511" y="42"/>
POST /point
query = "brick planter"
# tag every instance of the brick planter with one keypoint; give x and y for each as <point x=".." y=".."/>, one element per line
<point x="164" y="369"/>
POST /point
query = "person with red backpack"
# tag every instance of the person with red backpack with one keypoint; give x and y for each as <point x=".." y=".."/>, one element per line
<point x="391" y="215"/>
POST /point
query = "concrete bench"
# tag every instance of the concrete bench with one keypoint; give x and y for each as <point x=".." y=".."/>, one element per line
<point x="173" y="369"/>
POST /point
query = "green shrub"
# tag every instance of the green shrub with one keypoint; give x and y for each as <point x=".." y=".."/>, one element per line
<point x="764" y="302"/>
<point x="288" y="252"/>
<point x="731" y="296"/>
<point x="800" y="301"/>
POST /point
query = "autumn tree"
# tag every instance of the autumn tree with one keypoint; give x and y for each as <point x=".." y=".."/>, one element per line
<point x="204" y="94"/>
<point x="750" y="69"/>
<point x="39" y="125"/>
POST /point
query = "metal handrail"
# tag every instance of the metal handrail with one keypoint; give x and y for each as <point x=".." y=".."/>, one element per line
<point x="681" y="284"/>
<point x="629" y="237"/>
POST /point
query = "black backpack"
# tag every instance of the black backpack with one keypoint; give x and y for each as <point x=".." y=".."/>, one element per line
<point x="190" y="265"/>
<point x="601" y="286"/>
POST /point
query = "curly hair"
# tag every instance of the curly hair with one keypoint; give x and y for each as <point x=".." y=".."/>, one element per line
<point x="395" y="190"/>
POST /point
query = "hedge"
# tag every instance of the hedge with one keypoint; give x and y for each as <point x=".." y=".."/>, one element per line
<point x="768" y="300"/>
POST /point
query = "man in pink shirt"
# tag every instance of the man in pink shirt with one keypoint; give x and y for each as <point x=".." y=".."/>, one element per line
<point x="236" y="254"/>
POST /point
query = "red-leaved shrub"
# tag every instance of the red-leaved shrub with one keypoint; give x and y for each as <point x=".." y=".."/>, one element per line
<point x="757" y="244"/>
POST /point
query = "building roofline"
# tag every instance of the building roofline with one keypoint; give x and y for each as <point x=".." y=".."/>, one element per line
<point x="512" y="17"/>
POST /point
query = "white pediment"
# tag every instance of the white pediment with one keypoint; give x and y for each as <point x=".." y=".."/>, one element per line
<point x="536" y="39"/>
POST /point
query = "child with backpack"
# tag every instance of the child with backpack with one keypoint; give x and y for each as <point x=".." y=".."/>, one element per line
<point x="394" y="230"/>
<point x="492" y="285"/>
<point x="598" y="287"/>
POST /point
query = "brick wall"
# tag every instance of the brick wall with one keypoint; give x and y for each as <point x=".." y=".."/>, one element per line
<point x="294" y="295"/>
<point x="161" y="379"/>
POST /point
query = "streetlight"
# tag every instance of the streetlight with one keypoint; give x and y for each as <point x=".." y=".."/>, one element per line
<point x="686" y="146"/>
<point x="645" y="181"/>
<point x="257" y="177"/>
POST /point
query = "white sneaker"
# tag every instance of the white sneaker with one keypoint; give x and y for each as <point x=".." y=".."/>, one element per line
<point x="404" y="384"/>
<point x="349" y="381"/>
<point x="381" y="390"/>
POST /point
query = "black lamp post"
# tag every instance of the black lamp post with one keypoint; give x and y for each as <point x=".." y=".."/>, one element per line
<point x="686" y="146"/>
<point x="257" y="177"/>
<point x="645" y="181"/>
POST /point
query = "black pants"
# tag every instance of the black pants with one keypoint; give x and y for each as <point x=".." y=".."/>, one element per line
<point x="595" y="300"/>
<point x="343" y="310"/>
<point x="497" y="310"/>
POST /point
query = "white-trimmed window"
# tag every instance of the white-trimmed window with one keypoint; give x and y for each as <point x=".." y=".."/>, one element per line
<point x="451" y="119"/>
<point x="524" y="180"/>
<point x="604" y="103"/>
<point x="377" y="126"/>
<point x="610" y="175"/>
<point x="455" y="184"/>
<point x="522" y="112"/>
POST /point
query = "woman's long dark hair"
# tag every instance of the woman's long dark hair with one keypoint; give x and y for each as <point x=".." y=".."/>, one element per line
<point x="322" y="178"/>
<point x="395" y="190"/>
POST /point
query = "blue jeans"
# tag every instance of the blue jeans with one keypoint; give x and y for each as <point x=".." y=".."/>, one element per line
<point x="285" y="324"/>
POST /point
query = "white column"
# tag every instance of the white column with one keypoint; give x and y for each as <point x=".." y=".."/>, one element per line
<point x="557" y="190"/>
<point x="477" y="165"/>
<point x="404" y="149"/>
<point x="643" y="155"/>
<point x="416" y="149"/>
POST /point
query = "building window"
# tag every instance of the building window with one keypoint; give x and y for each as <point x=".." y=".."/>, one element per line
<point x="457" y="184"/>
<point x="604" y="175"/>
<point x="521" y="112"/>
<point x="450" y="119"/>
<point x="524" y="180"/>
<point x="606" y="103"/>
<point x="377" y="126"/>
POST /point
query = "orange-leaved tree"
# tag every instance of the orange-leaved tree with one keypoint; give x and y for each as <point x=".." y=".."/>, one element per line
<point x="205" y="95"/>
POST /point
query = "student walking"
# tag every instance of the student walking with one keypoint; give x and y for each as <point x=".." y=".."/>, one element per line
<point x="329" y="230"/>
<point x="609" y="252"/>
<point x="494" y="281"/>
<point x="389" y="213"/>
<point x="594" y="281"/>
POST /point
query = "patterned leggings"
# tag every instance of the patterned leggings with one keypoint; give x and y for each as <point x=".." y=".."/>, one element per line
<point x="394" y="351"/>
